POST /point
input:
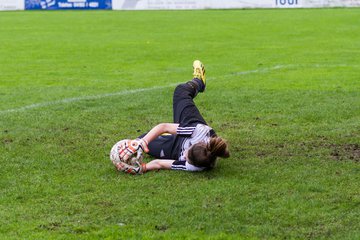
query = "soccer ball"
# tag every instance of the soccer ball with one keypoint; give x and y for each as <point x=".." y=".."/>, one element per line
<point x="118" y="148"/>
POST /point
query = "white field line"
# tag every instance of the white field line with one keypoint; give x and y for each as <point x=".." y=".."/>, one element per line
<point x="127" y="92"/>
<point x="77" y="99"/>
<point x="291" y="66"/>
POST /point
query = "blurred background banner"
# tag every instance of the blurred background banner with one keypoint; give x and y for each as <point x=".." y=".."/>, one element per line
<point x="11" y="4"/>
<point x="170" y="4"/>
<point x="227" y="4"/>
<point x="67" y="4"/>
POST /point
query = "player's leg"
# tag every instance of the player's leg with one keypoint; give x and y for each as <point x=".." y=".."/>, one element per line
<point x="185" y="111"/>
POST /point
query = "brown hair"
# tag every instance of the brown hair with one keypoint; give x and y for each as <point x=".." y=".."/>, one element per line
<point x="204" y="155"/>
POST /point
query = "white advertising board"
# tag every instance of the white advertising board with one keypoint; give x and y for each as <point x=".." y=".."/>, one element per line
<point x="196" y="4"/>
<point x="226" y="4"/>
<point x="12" y="5"/>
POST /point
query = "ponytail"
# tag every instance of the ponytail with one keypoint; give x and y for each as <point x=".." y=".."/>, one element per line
<point x="218" y="147"/>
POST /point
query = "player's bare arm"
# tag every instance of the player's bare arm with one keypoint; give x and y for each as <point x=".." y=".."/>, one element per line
<point x="134" y="145"/>
<point x="157" y="164"/>
<point x="160" y="129"/>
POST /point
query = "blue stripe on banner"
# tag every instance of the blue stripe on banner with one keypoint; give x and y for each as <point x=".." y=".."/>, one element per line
<point x="67" y="4"/>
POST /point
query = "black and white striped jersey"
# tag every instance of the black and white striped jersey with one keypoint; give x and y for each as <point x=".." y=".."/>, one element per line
<point x="174" y="146"/>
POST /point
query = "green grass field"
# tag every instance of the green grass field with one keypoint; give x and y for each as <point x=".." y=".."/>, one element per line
<point x="283" y="89"/>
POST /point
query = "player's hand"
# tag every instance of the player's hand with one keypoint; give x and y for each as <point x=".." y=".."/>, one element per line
<point x="132" y="146"/>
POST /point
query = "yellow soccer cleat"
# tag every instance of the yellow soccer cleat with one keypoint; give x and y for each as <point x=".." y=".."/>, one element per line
<point x="199" y="71"/>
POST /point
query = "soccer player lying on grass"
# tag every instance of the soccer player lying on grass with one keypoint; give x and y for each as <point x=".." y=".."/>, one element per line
<point x="187" y="144"/>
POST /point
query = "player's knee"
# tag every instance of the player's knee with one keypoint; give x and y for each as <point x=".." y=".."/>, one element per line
<point x="180" y="89"/>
